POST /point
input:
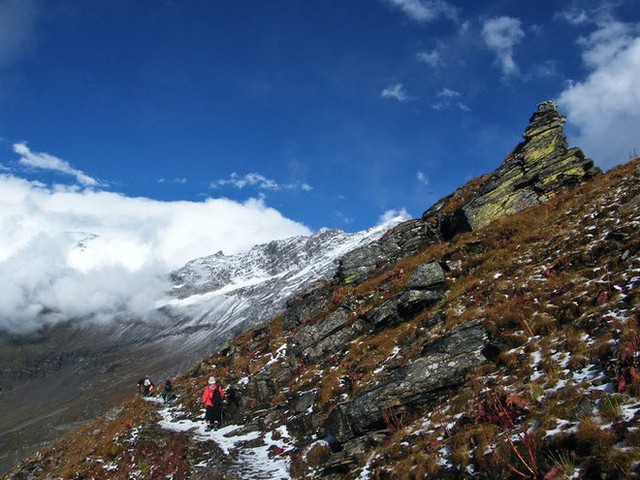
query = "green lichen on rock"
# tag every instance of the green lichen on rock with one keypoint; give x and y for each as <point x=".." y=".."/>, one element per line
<point x="539" y="167"/>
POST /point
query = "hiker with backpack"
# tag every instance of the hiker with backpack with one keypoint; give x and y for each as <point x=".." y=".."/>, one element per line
<point x="168" y="395"/>
<point x="145" y="386"/>
<point x="212" y="398"/>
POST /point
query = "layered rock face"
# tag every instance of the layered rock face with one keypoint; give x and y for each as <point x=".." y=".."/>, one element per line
<point x="417" y="386"/>
<point x="404" y="240"/>
<point x="539" y="167"/>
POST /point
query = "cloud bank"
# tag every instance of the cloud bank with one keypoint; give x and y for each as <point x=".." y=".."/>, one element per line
<point x="67" y="252"/>
<point x="605" y="106"/>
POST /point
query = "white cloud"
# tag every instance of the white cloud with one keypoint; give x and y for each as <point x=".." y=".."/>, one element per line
<point x="448" y="93"/>
<point x="422" y="178"/>
<point x="4" y="168"/>
<point x="49" y="162"/>
<point x="573" y="16"/>
<point x="178" y="180"/>
<point x="259" y="181"/>
<point x="501" y="35"/>
<point x="450" y="99"/>
<point x="605" y="106"/>
<point x="396" y="92"/>
<point x="17" y="22"/>
<point x="431" y="58"/>
<point x="425" y="10"/>
<point x="395" y="216"/>
<point x="77" y="253"/>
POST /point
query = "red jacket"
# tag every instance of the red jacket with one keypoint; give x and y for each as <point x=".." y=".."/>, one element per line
<point x="209" y="393"/>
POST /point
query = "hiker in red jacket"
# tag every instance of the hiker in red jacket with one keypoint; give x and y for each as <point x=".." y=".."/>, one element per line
<point x="212" y="399"/>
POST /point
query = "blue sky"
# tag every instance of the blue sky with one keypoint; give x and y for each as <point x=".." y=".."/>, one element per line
<point x="332" y="113"/>
<point x="138" y="135"/>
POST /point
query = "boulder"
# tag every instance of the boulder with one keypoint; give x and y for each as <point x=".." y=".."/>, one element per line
<point x="426" y="275"/>
<point x="404" y="307"/>
<point x="412" y="302"/>
<point x="421" y="384"/>
<point x="305" y="401"/>
<point x="384" y="315"/>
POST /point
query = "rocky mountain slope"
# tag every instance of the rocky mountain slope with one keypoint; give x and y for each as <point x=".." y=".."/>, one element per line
<point x="83" y="369"/>
<point x="495" y="337"/>
<point x="222" y="293"/>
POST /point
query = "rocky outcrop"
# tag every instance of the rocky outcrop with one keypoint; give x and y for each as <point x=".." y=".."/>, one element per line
<point x="307" y="304"/>
<point x="539" y="167"/>
<point x="328" y="335"/>
<point x="425" y="288"/>
<point x="312" y="334"/>
<point x="402" y="241"/>
<point x="422" y="383"/>
<point x="402" y="308"/>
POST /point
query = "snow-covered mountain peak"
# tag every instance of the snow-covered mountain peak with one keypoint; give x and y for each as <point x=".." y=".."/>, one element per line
<point x="219" y="292"/>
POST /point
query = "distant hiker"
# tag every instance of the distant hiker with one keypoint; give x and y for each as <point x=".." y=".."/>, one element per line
<point x="212" y="397"/>
<point x="232" y="397"/>
<point x="145" y="386"/>
<point x="168" y="395"/>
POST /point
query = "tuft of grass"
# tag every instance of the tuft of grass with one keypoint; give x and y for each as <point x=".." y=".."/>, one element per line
<point x="566" y="460"/>
<point x="611" y="407"/>
<point x="592" y="438"/>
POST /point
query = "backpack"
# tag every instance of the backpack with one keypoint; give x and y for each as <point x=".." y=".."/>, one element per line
<point x="216" y="396"/>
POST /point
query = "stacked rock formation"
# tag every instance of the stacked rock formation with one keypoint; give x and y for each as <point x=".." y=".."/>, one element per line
<point x="539" y="167"/>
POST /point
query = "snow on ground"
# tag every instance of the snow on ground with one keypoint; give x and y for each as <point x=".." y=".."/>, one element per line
<point x="256" y="462"/>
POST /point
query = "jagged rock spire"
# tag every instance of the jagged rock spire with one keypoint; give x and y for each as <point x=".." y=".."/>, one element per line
<point x="539" y="167"/>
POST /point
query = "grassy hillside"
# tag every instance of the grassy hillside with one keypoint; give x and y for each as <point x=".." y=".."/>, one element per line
<point x="555" y="395"/>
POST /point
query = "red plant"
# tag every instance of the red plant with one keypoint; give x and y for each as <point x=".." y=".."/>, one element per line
<point x="276" y="450"/>
<point x="475" y="293"/>
<point x="502" y="409"/>
<point x="302" y="368"/>
<point x="629" y="363"/>
<point x="601" y="298"/>
<point x="526" y="451"/>
<point x="394" y="418"/>
<point x="556" y="269"/>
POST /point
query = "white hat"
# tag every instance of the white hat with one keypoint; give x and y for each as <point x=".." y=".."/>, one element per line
<point x="212" y="380"/>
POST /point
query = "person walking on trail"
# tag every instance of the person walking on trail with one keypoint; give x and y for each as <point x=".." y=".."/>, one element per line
<point x="168" y="395"/>
<point x="145" y="385"/>
<point x="212" y="397"/>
